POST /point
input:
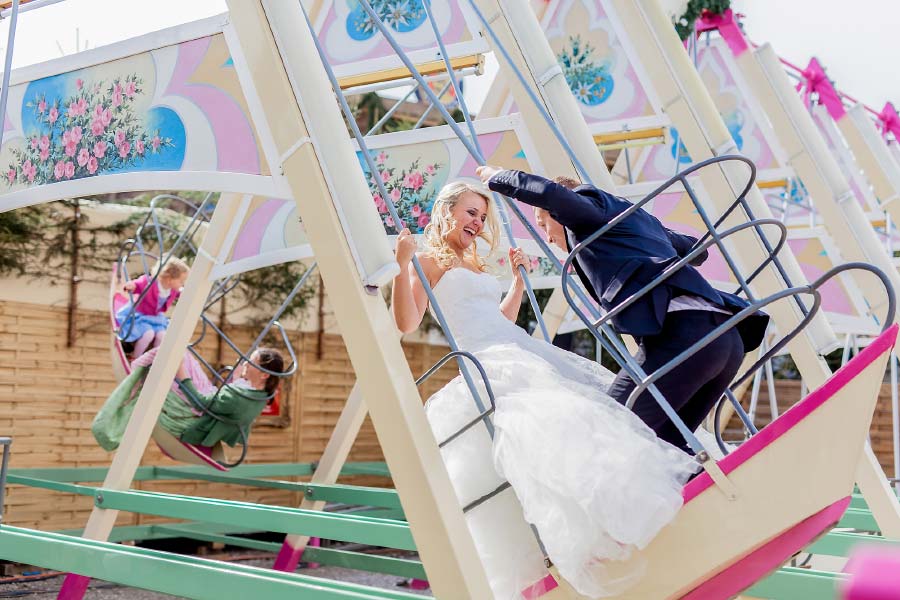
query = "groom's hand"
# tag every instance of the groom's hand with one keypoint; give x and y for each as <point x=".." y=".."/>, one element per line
<point x="486" y="172"/>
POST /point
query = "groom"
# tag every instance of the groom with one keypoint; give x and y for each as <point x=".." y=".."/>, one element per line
<point x="665" y="321"/>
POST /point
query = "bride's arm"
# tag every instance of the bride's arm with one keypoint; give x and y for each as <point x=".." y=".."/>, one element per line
<point x="408" y="298"/>
<point x="510" y="304"/>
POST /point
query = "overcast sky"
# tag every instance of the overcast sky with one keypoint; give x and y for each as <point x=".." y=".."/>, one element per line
<point x="858" y="42"/>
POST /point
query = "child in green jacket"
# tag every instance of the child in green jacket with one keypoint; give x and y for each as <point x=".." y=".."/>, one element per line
<point x="235" y="406"/>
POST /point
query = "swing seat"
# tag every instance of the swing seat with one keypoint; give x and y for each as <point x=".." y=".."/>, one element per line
<point x="180" y="451"/>
<point x="167" y="443"/>
<point x="793" y="482"/>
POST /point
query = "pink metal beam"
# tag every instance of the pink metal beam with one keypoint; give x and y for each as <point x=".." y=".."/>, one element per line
<point x="889" y="121"/>
<point x="817" y="81"/>
<point x="728" y="28"/>
<point x="813" y="76"/>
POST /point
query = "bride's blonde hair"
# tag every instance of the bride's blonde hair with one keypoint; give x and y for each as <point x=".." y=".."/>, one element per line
<point x="442" y="223"/>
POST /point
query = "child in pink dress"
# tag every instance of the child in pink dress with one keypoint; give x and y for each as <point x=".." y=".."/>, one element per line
<point x="145" y="323"/>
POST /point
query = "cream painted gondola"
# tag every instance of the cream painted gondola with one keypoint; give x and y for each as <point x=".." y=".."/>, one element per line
<point x="785" y="496"/>
<point x="170" y="445"/>
<point x="748" y="513"/>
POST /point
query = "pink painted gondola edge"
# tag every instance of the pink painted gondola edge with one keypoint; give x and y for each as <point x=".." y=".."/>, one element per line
<point x="768" y="557"/>
<point x="796" y="413"/>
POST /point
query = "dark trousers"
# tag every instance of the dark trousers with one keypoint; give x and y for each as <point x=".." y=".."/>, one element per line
<point x="695" y="385"/>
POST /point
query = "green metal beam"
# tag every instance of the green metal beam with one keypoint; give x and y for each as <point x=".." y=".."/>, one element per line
<point x="790" y="583"/>
<point x="76" y="474"/>
<point x="347" y="494"/>
<point x="332" y="526"/>
<point x="840" y="543"/>
<point x="327" y="556"/>
<point x="125" y="533"/>
<point x="360" y="561"/>
<point x="381" y="513"/>
<point x="232" y="540"/>
<point x="73" y="474"/>
<point x="173" y="574"/>
<point x="857" y="518"/>
<point x="858" y="501"/>
<point x="213" y="532"/>
<point x="50" y="484"/>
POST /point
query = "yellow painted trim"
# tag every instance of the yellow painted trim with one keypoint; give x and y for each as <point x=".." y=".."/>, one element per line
<point x="775" y="183"/>
<point x="429" y="68"/>
<point x="627" y="136"/>
<point x="631" y="144"/>
<point x="4" y="4"/>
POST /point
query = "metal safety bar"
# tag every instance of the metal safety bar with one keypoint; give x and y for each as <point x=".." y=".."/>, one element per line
<point x="246" y="357"/>
<point x="609" y="341"/>
<point x="183" y="238"/>
<point x="6" y="442"/>
<point x="647" y="381"/>
<point x="475" y="151"/>
<point x="470" y="142"/>
<point x="810" y="289"/>
<point x="392" y="209"/>
<point x="484" y="415"/>
<point x="614" y="345"/>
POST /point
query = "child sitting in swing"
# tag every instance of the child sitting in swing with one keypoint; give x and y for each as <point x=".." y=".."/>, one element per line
<point x="236" y="406"/>
<point x="145" y="323"/>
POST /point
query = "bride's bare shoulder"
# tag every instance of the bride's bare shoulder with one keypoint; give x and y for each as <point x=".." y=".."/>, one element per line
<point x="433" y="271"/>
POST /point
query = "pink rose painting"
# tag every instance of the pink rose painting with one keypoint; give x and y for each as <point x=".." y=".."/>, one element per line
<point x="414" y="181"/>
<point x="410" y="190"/>
<point x="29" y="170"/>
<point x="94" y="130"/>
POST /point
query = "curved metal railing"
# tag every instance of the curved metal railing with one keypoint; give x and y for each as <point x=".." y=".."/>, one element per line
<point x="160" y="231"/>
<point x="646" y="382"/>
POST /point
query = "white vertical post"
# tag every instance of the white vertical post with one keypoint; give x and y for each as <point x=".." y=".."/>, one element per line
<point x="162" y="372"/>
<point x="688" y="104"/>
<point x="895" y="421"/>
<point x="322" y="171"/>
<point x="872" y="154"/>
<point x="819" y="170"/>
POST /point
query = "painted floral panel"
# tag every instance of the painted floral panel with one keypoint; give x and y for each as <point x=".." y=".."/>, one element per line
<point x="595" y="62"/>
<point x="175" y="108"/>
<point x="351" y="37"/>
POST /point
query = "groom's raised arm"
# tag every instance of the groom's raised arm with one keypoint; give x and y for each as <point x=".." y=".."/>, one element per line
<point x="571" y="209"/>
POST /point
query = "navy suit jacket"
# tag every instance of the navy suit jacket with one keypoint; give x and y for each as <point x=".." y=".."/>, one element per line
<point x="627" y="257"/>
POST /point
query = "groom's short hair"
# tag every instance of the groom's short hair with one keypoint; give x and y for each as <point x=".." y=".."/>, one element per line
<point x="567" y="182"/>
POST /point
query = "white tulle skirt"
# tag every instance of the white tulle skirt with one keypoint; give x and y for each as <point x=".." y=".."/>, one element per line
<point x="591" y="477"/>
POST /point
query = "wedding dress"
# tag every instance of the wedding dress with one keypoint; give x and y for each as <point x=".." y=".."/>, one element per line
<point x="591" y="477"/>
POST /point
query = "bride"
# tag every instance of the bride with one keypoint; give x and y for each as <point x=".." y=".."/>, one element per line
<point x="593" y="480"/>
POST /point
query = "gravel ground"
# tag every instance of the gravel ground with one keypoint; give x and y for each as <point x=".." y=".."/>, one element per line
<point x="46" y="588"/>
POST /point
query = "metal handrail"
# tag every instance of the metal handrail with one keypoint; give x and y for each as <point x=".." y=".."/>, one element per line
<point x="618" y="351"/>
<point x="647" y="381"/>
<point x="483" y="415"/>
<point x="6" y="442"/>
<point x="728" y="325"/>
<point x="197" y="218"/>
<point x="812" y="289"/>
